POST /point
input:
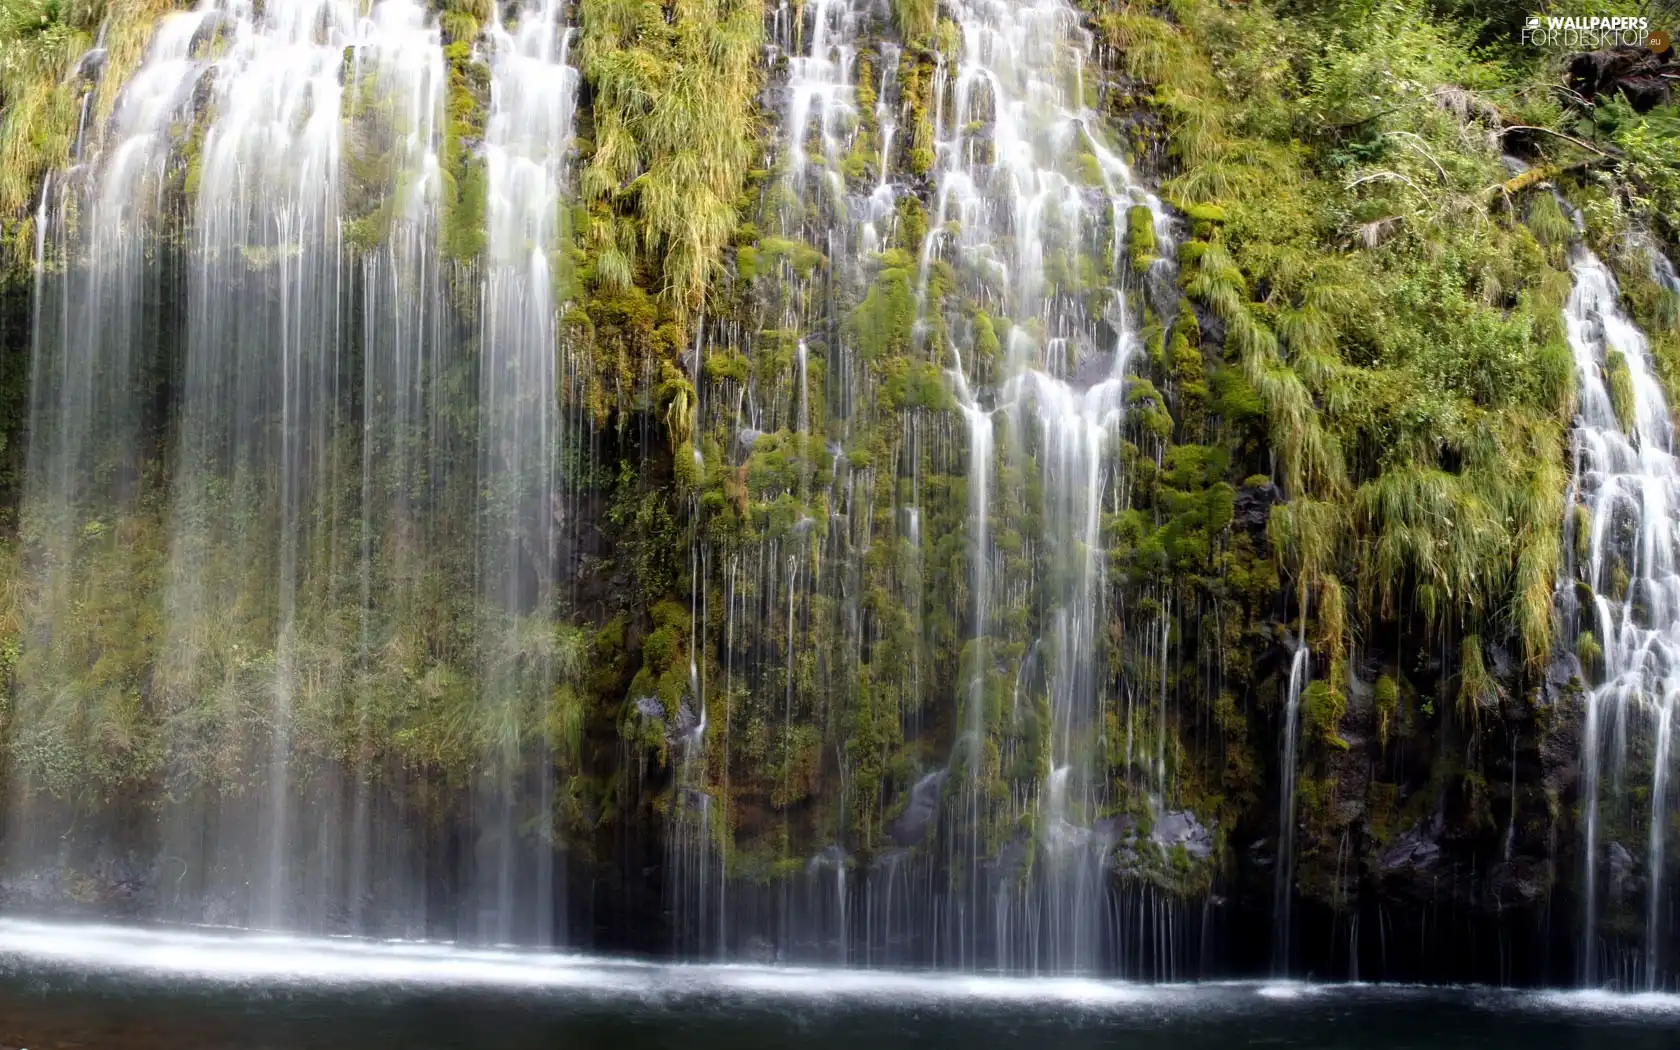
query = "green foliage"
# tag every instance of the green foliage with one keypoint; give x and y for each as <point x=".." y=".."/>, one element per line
<point x="674" y="134"/>
<point x="1140" y="238"/>
<point x="1620" y="383"/>
<point x="1387" y="697"/>
<point x="1647" y="166"/>
<point x="1476" y="686"/>
<point x="915" y="19"/>
<point x="39" y="41"/>
<point x="1322" y="707"/>
<point x="1401" y="342"/>
<point x="40" y="95"/>
<point x="465" y="180"/>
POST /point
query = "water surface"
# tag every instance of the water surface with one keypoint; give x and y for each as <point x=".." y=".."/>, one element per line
<point x="64" y="986"/>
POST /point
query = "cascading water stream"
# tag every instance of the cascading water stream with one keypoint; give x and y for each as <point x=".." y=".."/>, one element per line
<point x="395" y="104"/>
<point x="1283" y="894"/>
<point x="1627" y="479"/>
<point x="93" y="342"/>
<point x="527" y="140"/>
<point x="251" y="279"/>
<point x="265" y="291"/>
<point x="796" y="582"/>
<point x="1011" y="139"/>
<point x="320" y="447"/>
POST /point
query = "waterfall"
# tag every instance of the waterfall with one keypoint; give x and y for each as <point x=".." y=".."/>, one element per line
<point x="528" y="137"/>
<point x="1283" y="894"/>
<point x="257" y="469"/>
<point x="317" y="436"/>
<point x="1024" y="183"/>
<point x="242" y="276"/>
<point x="96" y="343"/>
<point x="1627" y="482"/>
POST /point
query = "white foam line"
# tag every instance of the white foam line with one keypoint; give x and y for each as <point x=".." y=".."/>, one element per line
<point x="1610" y="1002"/>
<point x="245" y="957"/>
<point x="1287" y="990"/>
<point x="272" y="958"/>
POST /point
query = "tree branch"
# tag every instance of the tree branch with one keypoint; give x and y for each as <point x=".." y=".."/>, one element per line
<point x="1555" y="134"/>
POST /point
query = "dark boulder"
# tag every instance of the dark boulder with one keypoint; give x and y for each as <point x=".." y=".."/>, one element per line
<point x="1253" y="506"/>
<point x="1638" y="74"/>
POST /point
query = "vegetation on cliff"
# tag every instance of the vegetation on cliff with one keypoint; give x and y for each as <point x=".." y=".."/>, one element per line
<point x="1351" y="432"/>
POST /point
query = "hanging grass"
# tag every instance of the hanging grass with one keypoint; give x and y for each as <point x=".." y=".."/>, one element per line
<point x="39" y="45"/>
<point x="674" y="132"/>
<point x="1415" y="384"/>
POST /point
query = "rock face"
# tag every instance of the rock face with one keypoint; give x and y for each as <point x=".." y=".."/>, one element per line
<point x="920" y="810"/>
<point x="1173" y="854"/>
<point x="1646" y="79"/>
<point x="652" y="710"/>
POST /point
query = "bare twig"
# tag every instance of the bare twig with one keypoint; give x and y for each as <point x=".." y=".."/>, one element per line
<point x="1555" y="134"/>
<point x="1385" y="175"/>
<point x="1416" y="142"/>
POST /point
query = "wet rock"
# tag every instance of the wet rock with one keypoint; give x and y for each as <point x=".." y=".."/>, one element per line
<point x="687" y="721"/>
<point x="1211" y="324"/>
<point x="1012" y="860"/>
<point x="651" y="708"/>
<point x="1561" y="716"/>
<point x="1253" y="506"/>
<point x="90" y="64"/>
<point x="1563" y="674"/>
<point x="1094" y="367"/>
<point x="1177" y="836"/>
<point x="1115" y="829"/>
<point x="1622" y="883"/>
<point x="1414" y="850"/>
<point x="829" y="858"/>
<point x="1521" y="881"/>
<point x="1181" y="828"/>
<point x="912" y="825"/>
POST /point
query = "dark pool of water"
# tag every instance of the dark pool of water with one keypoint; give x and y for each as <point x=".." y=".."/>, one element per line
<point x="65" y="987"/>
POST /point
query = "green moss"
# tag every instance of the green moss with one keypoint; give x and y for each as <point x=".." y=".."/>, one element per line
<point x="1588" y="652"/>
<point x="465" y="180"/>
<point x="881" y="325"/>
<point x="1581" y="527"/>
<point x="1619" y="381"/>
<point x="801" y="257"/>
<point x="1387" y="703"/>
<point x="746" y="262"/>
<point x="912" y="225"/>
<point x="1203" y="217"/>
<point x="1088" y="169"/>
<point x="1322" y="707"/>
<point x="986" y="346"/>
<point x="1140" y="238"/>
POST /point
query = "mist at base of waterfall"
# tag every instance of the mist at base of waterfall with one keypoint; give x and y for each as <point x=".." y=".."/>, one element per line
<point x="66" y="985"/>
